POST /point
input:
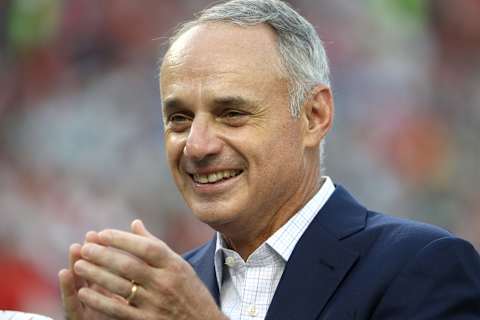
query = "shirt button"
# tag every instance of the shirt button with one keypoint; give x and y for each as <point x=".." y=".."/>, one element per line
<point x="230" y="261"/>
<point x="252" y="311"/>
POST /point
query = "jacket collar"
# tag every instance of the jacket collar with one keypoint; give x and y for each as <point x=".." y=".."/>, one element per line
<point x="203" y="263"/>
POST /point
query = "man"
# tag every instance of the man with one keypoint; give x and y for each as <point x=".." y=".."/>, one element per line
<point x="246" y="105"/>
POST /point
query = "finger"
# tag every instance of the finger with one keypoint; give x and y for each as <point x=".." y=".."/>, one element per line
<point x="107" y="293"/>
<point x="92" y="236"/>
<point x="71" y="304"/>
<point x="153" y="251"/>
<point x="109" y="306"/>
<point x="138" y="228"/>
<point x="120" y="263"/>
<point x="102" y="277"/>
<point x="73" y="256"/>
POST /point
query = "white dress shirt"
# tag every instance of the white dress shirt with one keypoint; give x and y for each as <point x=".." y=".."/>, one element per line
<point x="247" y="287"/>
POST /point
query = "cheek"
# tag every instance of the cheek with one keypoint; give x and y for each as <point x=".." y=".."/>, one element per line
<point x="275" y="157"/>
<point x="281" y="147"/>
<point x="174" y="145"/>
<point x="282" y="159"/>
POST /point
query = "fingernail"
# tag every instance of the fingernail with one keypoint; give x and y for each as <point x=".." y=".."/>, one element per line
<point x="62" y="273"/>
<point x="77" y="266"/>
<point x="137" y="221"/>
<point x="105" y="235"/>
<point x="90" y="235"/>
<point x="82" y="294"/>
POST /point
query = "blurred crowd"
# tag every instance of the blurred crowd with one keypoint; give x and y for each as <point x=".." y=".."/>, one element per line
<point x="81" y="129"/>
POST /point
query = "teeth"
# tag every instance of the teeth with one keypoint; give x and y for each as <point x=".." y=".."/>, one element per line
<point x="215" y="176"/>
<point x="212" y="177"/>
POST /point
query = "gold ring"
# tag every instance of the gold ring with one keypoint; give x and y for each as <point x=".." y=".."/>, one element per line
<point x="133" y="292"/>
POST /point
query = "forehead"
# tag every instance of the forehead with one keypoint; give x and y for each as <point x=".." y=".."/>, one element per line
<point x="216" y="49"/>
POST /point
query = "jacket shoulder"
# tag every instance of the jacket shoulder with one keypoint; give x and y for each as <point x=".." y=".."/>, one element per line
<point x="395" y="231"/>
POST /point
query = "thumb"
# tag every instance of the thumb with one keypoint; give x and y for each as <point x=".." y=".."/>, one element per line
<point x="138" y="228"/>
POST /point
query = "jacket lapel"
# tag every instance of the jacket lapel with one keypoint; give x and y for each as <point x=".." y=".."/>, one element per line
<point x="203" y="263"/>
<point x="319" y="261"/>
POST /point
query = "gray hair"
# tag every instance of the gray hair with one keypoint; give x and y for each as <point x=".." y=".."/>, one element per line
<point x="301" y="51"/>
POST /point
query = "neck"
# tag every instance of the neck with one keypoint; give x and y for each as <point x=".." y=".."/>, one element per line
<point x="245" y="243"/>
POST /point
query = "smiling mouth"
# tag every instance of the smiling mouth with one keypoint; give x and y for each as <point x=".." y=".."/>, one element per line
<point x="215" y="177"/>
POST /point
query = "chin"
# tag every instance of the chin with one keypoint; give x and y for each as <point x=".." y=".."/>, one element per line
<point x="215" y="215"/>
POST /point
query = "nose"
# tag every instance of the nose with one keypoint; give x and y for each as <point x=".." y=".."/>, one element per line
<point x="202" y="140"/>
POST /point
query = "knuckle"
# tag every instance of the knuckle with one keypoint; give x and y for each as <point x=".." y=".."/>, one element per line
<point x="127" y="268"/>
<point x="181" y="266"/>
<point x="154" y="250"/>
<point x="177" y="267"/>
<point x="151" y="248"/>
<point x="159" y="253"/>
<point x="164" y="283"/>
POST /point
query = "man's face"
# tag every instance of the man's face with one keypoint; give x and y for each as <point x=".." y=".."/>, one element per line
<point x="234" y="150"/>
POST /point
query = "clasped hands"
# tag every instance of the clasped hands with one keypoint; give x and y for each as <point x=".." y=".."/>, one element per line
<point x="122" y="275"/>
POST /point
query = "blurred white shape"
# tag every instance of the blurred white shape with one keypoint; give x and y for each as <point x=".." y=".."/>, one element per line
<point x="16" y="315"/>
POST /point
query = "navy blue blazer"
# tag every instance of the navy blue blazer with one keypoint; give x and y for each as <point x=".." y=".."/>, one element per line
<point x="352" y="263"/>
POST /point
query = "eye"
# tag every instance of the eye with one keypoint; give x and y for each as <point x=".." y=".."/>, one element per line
<point x="178" y="118"/>
<point x="232" y="114"/>
<point x="178" y="121"/>
<point x="233" y="117"/>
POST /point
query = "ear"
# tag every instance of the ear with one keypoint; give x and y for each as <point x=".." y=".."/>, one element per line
<point x="317" y="115"/>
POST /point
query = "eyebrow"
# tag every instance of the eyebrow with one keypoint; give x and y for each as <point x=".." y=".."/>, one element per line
<point x="235" y="102"/>
<point x="231" y="101"/>
<point x="173" y="103"/>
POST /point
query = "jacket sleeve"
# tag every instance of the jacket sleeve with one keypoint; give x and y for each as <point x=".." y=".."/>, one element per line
<point x="441" y="282"/>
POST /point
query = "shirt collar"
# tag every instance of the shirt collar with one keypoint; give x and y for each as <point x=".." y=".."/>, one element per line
<point x="283" y="241"/>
